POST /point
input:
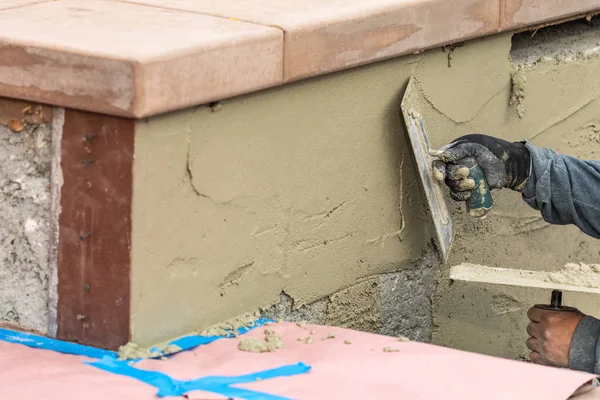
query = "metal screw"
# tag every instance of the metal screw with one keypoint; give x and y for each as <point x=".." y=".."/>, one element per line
<point x="86" y="287"/>
<point x="88" y="138"/>
<point x="84" y="236"/>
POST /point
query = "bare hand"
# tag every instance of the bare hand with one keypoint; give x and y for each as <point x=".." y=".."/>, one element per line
<point x="550" y="335"/>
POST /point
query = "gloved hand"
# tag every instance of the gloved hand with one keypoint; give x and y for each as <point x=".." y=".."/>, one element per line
<point x="504" y="164"/>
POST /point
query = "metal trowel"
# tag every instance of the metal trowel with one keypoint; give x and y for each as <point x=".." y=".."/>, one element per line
<point x="481" y="200"/>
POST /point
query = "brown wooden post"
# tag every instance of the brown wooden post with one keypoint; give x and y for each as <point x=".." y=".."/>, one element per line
<point x="94" y="229"/>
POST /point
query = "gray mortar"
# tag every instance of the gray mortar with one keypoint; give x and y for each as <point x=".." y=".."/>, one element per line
<point x="403" y="298"/>
<point x="314" y="313"/>
<point x="56" y="182"/>
<point x="406" y="300"/>
<point x="24" y="209"/>
<point x="563" y="42"/>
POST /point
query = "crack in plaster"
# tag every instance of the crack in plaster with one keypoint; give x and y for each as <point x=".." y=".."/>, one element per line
<point x="479" y="110"/>
<point x="189" y="179"/>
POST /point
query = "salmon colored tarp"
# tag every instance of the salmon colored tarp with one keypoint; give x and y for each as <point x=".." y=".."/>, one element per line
<point x="353" y="365"/>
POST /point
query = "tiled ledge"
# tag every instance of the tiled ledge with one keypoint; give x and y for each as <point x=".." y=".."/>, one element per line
<point x="138" y="58"/>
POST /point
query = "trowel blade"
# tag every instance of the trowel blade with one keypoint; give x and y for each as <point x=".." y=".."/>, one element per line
<point x="434" y="194"/>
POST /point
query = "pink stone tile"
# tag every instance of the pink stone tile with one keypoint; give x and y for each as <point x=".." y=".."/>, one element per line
<point x="6" y="4"/>
<point x="518" y="13"/>
<point x="131" y="60"/>
<point x="327" y="35"/>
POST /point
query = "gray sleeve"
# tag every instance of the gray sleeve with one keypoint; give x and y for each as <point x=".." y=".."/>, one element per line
<point x="565" y="189"/>
<point x="584" y="353"/>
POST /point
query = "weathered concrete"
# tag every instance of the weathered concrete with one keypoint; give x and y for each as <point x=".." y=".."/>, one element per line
<point x="24" y="211"/>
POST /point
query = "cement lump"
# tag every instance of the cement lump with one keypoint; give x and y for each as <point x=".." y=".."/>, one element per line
<point x="577" y="274"/>
<point x="132" y="351"/>
<point x="271" y="342"/>
<point x="231" y="326"/>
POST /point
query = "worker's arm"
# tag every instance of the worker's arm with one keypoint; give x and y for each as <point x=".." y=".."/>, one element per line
<point x="584" y="349"/>
<point x="564" y="189"/>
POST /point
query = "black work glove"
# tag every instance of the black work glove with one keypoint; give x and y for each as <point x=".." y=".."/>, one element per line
<point x="504" y="164"/>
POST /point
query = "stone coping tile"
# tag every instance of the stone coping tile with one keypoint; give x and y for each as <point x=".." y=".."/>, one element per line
<point x="322" y="36"/>
<point x="131" y="60"/>
<point x="519" y="13"/>
<point x="6" y="4"/>
<point x="143" y="57"/>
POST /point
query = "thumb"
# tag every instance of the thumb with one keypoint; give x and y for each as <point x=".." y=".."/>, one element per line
<point x="458" y="150"/>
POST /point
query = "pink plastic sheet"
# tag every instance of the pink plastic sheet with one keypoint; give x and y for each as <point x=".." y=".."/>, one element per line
<point x="359" y="370"/>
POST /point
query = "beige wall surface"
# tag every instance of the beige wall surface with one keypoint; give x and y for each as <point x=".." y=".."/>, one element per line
<point x="301" y="189"/>
<point x="309" y="187"/>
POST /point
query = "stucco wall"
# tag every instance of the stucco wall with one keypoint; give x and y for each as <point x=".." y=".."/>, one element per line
<point x="302" y="189"/>
<point x="304" y="192"/>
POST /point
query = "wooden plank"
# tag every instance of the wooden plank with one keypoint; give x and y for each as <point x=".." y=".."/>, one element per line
<point x="94" y="248"/>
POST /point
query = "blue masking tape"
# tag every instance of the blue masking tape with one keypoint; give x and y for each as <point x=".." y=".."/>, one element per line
<point x="168" y="386"/>
<point x="41" y="342"/>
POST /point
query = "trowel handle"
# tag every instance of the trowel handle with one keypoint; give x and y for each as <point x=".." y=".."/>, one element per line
<point x="481" y="197"/>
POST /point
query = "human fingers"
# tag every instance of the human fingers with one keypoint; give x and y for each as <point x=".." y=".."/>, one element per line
<point x="439" y="170"/>
<point x="533" y="344"/>
<point x="535" y="314"/>
<point x="534" y="329"/>
<point x="536" y="358"/>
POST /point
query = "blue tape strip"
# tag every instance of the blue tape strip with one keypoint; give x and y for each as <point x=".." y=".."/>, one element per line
<point x="41" y="342"/>
<point x="168" y="386"/>
<point x="45" y="343"/>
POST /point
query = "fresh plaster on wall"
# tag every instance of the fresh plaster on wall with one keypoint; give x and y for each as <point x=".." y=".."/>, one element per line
<point x="303" y="189"/>
<point x="24" y="226"/>
<point x="308" y="189"/>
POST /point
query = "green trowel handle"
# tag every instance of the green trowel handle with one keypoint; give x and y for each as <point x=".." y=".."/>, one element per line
<point x="481" y="197"/>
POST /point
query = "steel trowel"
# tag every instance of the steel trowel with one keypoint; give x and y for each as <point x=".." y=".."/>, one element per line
<point x="481" y="200"/>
